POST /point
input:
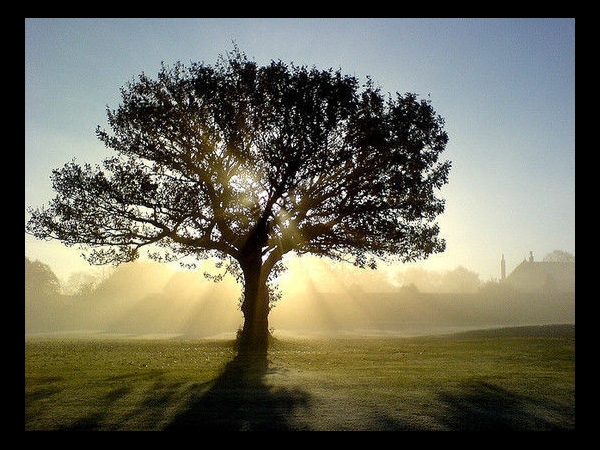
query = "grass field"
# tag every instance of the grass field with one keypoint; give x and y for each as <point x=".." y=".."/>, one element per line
<point x="505" y="379"/>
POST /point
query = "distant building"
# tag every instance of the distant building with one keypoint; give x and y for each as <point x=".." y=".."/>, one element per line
<point x="541" y="276"/>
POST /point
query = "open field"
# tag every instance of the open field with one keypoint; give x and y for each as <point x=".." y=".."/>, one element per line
<point x="501" y="379"/>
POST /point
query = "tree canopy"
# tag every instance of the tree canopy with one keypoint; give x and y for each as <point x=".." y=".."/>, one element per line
<point x="559" y="256"/>
<point x="247" y="163"/>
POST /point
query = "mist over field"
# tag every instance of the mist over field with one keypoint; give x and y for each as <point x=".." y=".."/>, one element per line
<point x="318" y="297"/>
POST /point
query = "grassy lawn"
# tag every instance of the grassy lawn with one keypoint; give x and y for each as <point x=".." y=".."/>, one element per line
<point x="472" y="381"/>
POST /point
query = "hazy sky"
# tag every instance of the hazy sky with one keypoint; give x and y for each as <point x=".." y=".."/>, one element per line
<point x="506" y="88"/>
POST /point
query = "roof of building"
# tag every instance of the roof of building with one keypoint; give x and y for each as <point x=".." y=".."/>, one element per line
<point x="543" y="275"/>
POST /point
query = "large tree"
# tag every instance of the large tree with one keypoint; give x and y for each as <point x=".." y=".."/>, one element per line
<point x="247" y="163"/>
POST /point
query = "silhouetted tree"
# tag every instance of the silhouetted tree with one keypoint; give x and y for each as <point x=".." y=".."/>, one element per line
<point x="43" y="301"/>
<point x="248" y="163"/>
<point x="459" y="279"/>
<point x="559" y="256"/>
<point x="40" y="280"/>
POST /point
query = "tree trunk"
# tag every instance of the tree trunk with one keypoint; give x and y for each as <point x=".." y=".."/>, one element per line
<point x="254" y="337"/>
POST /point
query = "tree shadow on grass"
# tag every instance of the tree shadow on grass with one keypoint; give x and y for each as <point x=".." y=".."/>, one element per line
<point x="482" y="406"/>
<point x="240" y="400"/>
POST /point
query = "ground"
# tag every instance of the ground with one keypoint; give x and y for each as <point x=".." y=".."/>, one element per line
<point x="495" y="380"/>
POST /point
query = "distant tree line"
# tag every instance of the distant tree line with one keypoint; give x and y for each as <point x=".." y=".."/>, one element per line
<point x="132" y="299"/>
<point x="559" y="256"/>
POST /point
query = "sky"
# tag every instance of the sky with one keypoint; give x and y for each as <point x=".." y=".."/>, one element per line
<point x="505" y="87"/>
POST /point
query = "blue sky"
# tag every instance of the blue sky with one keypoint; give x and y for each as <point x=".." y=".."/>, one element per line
<point x="506" y="88"/>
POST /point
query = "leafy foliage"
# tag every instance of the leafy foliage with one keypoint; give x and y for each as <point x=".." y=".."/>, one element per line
<point x="239" y="161"/>
<point x="559" y="256"/>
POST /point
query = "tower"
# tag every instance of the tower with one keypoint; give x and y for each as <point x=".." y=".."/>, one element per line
<point x="502" y="268"/>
